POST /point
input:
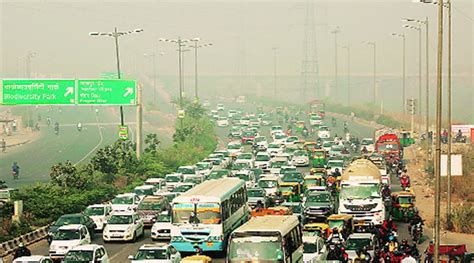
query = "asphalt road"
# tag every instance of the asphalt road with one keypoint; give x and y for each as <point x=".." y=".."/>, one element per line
<point x="119" y="252"/>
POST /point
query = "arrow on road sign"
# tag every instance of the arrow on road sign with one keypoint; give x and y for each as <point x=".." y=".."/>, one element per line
<point x="69" y="90"/>
<point x="129" y="92"/>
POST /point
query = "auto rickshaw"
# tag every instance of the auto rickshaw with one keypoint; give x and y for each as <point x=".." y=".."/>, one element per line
<point x="197" y="259"/>
<point x="310" y="146"/>
<point x="313" y="180"/>
<point x="290" y="191"/>
<point x="299" y="126"/>
<point x="318" y="158"/>
<point x="403" y="206"/>
<point x="276" y="210"/>
<point x="318" y="229"/>
<point x="406" y="139"/>
<point x="344" y="223"/>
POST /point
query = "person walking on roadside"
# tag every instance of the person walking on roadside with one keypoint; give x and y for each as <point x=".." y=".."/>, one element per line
<point x="4" y="145"/>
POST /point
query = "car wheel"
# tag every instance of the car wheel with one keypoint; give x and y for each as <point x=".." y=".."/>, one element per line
<point x="134" y="238"/>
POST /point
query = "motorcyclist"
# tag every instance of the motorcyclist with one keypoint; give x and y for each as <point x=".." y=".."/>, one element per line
<point x="304" y="131"/>
<point x="193" y="219"/>
<point x="333" y="120"/>
<point x="346" y="129"/>
<point x="259" y="205"/>
<point x="360" y="257"/>
<point x="364" y="150"/>
<point x="344" y="257"/>
<point x="416" y="219"/>
<point x="366" y="254"/>
<point x="22" y="251"/>
<point x="404" y="247"/>
<point x="335" y="237"/>
<point x="79" y="126"/>
<point x="15" y="169"/>
<point x="388" y="226"/>
<point x="333" y="253"/>
<point x="336" y="173"/>
<point x="392" y="244"/>
<point x="405" y="179"/>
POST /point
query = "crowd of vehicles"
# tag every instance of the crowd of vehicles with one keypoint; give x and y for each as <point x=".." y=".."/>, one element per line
<point x="273" y="194"/>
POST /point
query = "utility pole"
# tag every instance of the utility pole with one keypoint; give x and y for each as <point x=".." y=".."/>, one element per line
<point x="196" y="47"/>
<point x="348" y="74"/>
<point x="275" y="49"/>
<point x="335" y="32"/>
<point x="437" y="157"/>
<point x="310" y="62"/>
<point x="116" y="34"/>
<point x="448" y="166"/>
<point x="427" y="128"/>
<point x="139" y="122"/>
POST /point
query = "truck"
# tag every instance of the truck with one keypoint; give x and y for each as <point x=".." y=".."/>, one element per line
<point x="360" y="193"/>
<point x="388" y="144"/>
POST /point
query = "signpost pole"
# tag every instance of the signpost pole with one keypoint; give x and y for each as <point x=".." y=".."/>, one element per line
<point x="116" y="36"/>
<point x="139" y="122"/>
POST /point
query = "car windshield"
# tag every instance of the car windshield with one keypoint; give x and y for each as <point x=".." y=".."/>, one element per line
<point x="320" y="197"/>
<point x="405" y="200"/>
<point x="256" y="249"/>
<point x="309" y="248"/>
<point x="296" y="209"/>
<point x="256" y="193"/>
<point x="335" y="164"/>
<point x="234" y="146"/>
<point x="388" y="147"/>
<point x="66" y="234"/>
<point x="120" y="220"/>
<point x="335" y="223"/>
<point x="288" y="170"/>
<point x="140" y="191"/>
<point x="300" y="153"/>
<point x="278" y="164"/>
<point x="245" y="156"/>
<point x="123" y="200"/>
<point x="240" y="166"/>
<point x="262" y="157"/>
<point x="149" y="205"/>
<point x="163" y="218"/>
<point x="182" y="188"/>
<point x="144" y="254"/>
<point x="280" y="136"/>
<point x="359" y="191"/>
<point x="249" y="134"/>
<point x="366" y="142"/>
<point x="203" y="166"/>
<point x="324" y="128"/>
<point x="206" y="213"/>
<point x="274" y="146"/>
<point x="68" y="220"/>
<point x="185" y="170"/>
<point x="268" y="183"/>
<point x="357" y="243"/>
<point x="215" y="175"/>
<point x="243" y="176"/>
<point x="76" y="256"/>
<point x="172" y="179"/>
<point x="95" y="211"/>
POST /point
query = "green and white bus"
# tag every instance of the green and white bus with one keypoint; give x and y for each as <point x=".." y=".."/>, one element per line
<point x="267" y="239"/>
<point x="206" y="215"/>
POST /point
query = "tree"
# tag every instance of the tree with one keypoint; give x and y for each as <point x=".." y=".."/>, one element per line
<point x="152" y="142"/>
<point x="66" y="175"/>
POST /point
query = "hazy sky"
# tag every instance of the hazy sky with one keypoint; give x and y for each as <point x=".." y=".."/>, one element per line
<point x="243" y="34"/>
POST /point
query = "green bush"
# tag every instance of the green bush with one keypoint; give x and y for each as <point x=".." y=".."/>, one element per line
<point x="462" y="218"/>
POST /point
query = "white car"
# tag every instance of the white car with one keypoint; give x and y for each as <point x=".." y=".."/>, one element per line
<point x="260" y="143"/>
<point x="32" y="259"/>
<point x="172" y="180"/>
<point x="315" y="120"/>
<point x="123" y="226"/>
<point x="279" y="138"/>
<point x="87" y="253"/>
<point x="276" y="129"/>
<point x="235" y="148"/>
<point x="246" y="175"/>
<point x="231" y="113"/>
<point x="262" y="160"/>
<point x="204" y="168"/>
<point x="291" y="140"/>
<point x="314" y="249"/>
<point x="222" y="122"/>
<point x="68" y="237"/>
<point x="333" y="164"/>
<point x="144" y="190"/>
<point x="300" y="158"/>
<point x="324" y="132"/>
<point x="269" y="184"/>
<point x="156" y="253"/>
<point x="161" y="229"/>
<point x="275" y="149"/>
<point x="99" y="214"/>
<point x="245" y="158"/>
<point x="368" y="143"/>
<point x="125" y="202"/>
<point x="327" y="145"/>
<point x="220" y="107"/>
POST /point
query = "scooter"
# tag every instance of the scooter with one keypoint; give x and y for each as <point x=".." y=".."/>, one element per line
<point x="417" y="233"/>
<point x="405" y="183"/>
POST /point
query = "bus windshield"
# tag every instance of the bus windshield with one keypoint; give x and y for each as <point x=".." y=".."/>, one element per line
<point x="206" y="213"/>
<point x="256" y="248"/>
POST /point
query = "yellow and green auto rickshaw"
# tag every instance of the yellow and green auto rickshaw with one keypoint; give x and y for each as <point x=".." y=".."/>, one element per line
<point x="318" y="229"/>
<point x="318" y="158"/>
<point x="299" y="126"/>
<point x="310" y="146"/>
<point x="290" y="191"/>
<point x="313" y="180"/>
<point x="403" y="206"/>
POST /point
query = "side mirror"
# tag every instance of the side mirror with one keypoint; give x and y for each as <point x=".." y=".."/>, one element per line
<point x="130" y="257"/>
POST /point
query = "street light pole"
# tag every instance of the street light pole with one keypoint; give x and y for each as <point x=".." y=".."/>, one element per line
<point x="348" y="74"/>
<point x="403" y="70"/>
<point x="116" y="34"/>
<point x="448" y="166"/>
<point x="335" y="32"/>
<point x="196" y="47"/>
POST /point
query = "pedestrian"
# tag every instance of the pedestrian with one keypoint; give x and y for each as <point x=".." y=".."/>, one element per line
<point x="14" y="125"/>
<point x="4" y="145"/>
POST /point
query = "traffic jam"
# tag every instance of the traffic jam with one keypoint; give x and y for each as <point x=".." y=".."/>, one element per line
<point x="282" y="187"/>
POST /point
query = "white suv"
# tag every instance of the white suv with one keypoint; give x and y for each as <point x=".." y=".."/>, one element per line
<point x="99" y="214"/>
<point x="158" y="252"/>
<point x="68" y="237"/>
<point x="90" y="253"/>
<point x="123" y="226"/>
<point x="125" y="202"/>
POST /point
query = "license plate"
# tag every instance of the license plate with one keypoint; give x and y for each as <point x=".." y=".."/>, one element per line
<point x="209" y="244"/>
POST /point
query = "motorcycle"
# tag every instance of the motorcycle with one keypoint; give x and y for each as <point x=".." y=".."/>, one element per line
<point x="417" y="232"/>
<point x="15" y="175"/>
<point x="405" y="183"/>
<point x="56" y="131"/>
<point x="460" y="139"/>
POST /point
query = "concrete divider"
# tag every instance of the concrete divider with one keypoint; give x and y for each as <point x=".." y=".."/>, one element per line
<point x="10" y="246"/>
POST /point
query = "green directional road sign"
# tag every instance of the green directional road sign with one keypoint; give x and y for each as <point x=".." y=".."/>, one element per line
<point x="26" y="91"/>
<point x="111" y="75"/>
<point x="106" y="92"/>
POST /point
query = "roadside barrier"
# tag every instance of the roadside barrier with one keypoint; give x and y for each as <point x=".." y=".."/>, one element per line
<point x="10" y="246"/>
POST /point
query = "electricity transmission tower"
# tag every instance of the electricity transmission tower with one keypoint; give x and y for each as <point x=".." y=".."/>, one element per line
<point x="310" y="84"/>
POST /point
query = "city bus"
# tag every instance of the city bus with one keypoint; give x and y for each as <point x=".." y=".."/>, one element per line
<point x="204" y="217"/>
<point x="272" y="238"/>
